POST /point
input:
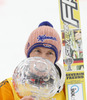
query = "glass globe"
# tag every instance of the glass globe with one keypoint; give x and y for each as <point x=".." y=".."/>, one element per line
<point x="37" y="77"/>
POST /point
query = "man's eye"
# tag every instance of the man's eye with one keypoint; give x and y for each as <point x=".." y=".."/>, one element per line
<point x="50" y="53"/>
<point x="38" y="51"/>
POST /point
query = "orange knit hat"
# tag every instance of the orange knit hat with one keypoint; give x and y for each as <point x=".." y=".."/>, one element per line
<point x="44" y="36"/>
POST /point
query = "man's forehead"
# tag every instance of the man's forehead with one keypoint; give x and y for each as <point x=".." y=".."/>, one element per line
<point x="44" y="48"/>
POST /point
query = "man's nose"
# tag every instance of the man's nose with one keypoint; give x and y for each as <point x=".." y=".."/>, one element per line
<point x="43" y="56"/>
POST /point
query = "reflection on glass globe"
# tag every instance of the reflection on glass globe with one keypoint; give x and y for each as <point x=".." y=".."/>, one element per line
<point x="37" y="77"/>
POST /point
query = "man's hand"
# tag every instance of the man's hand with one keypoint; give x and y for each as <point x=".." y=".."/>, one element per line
<point x="27" y="98"/>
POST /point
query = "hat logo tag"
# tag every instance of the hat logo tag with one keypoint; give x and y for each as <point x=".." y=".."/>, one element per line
<point x="44" y="37"/>
<point x="47" y="45"/>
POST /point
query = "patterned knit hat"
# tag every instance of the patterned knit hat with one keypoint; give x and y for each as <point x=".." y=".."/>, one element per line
<point x="44" y="36"/>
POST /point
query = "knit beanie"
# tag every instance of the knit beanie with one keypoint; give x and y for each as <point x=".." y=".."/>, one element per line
<point x="44" y="36"/>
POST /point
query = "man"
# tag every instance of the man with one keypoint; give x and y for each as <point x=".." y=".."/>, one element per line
<point x="43" y="42"/>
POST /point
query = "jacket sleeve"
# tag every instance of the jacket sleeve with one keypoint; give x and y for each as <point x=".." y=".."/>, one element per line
<point x="6" y="91"/>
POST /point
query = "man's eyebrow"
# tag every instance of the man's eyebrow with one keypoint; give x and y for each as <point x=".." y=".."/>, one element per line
<point x="50" y="51"/>
<point x="37" y="48"/>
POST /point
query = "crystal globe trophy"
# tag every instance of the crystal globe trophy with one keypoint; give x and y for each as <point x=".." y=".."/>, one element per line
<point x="36" y="77"/>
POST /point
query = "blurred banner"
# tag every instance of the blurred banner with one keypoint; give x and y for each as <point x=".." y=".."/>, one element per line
<point x="72" y="49"/>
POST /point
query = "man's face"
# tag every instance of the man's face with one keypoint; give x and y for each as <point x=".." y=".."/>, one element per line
<point x="44" y="53"/>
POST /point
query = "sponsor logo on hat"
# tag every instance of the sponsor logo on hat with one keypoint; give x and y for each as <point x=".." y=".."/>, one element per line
<point x="44" y="37"/>
<point x="47" y="45"/>
<point x="28" y="45"/>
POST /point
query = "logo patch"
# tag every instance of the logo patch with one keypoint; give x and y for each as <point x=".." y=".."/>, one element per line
<point x="28" y="45"/>
<point x="47" y="45"/>
<point x="44" y="37"/>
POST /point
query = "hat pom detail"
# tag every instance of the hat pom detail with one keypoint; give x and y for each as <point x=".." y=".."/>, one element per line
<point x="45" y="23"/>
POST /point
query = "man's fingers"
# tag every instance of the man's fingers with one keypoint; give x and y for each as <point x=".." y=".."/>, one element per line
<point x="27" y="98"/>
